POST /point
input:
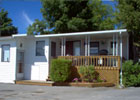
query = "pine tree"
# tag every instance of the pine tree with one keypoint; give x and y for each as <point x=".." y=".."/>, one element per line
<point x="6" y="27"/>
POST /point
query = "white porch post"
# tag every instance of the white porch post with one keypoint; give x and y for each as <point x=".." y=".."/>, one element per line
<point x="121" y="59"/>
<point x="64" y="47"/>
<point x="113" y="45"/>
<point x="117" y="44"/>
<point x="85" y="45"/>
<point x="127" y="47"/>
<point x="62" y="44"/>
<point x="89" y="45"/>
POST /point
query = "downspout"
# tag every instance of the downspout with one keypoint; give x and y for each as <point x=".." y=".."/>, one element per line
<point x="15" y="61"/>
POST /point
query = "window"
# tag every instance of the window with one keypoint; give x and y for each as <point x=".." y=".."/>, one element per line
<point x="5" y="53"/>
<point x="76" y="48"/>
<point x="40" y="45"/>
<point x="94" y="48"/>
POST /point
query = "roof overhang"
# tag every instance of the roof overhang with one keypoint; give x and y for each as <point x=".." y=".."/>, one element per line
<point x="119" y="31"/>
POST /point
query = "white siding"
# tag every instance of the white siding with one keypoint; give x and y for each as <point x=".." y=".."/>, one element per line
<point x="36" y="67"/>
<point x="7" y="69"/>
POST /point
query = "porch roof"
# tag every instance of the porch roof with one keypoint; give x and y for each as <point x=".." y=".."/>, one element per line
<point x="124" y="31"/>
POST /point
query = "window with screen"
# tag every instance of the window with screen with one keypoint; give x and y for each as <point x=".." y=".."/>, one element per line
<point x="40" y="45"/>
<point x="94" y="48"/>
<point x="5" y="53"/>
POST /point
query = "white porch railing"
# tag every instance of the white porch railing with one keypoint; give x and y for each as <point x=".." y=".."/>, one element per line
<point x="97" y="61"/>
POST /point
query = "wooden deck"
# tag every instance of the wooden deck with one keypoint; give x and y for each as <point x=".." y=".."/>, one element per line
<point x="79" y="84"/>
<point x="31" y="82"/>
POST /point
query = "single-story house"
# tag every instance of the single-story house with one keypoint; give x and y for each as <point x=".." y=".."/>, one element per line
<point x="27" y="57"/>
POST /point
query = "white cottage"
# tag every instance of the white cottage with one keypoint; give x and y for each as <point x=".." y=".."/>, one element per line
<point x="24" y="57"/>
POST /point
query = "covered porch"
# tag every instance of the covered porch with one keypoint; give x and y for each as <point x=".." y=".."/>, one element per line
<point x="99" y="48"/>
<point x="105" y="50"/>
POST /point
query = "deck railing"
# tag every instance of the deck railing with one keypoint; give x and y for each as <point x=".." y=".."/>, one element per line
<point x="97" y="61"/>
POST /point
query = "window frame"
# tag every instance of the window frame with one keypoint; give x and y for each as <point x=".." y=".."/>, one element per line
<point x="91" y="47"/>
<point x="2" y="53"/>
<point x="43" y="49"/>
<point x="79" y="46"/>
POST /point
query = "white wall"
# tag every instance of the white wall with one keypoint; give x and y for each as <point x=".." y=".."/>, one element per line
<point x="7" y="69"/>
<point x="35" y="67"/>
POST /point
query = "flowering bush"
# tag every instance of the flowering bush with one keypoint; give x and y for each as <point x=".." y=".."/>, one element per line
<point x="88" y="73"/>
<point x="75" y="80"/>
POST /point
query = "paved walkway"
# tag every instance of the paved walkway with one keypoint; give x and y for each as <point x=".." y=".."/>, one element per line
<point x="28" y="92"/>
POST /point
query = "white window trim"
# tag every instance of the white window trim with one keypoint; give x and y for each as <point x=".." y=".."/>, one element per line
<point x="36" y="48"/>
<point x="2" y="59"/>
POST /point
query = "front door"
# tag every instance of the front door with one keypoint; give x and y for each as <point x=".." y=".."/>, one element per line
<point x="69" y="48"/>
<point x="20" y="64"/>
<point x="53" y="49"/>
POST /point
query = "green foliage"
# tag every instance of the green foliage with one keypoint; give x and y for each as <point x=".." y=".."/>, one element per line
<point x="131" y="74"/>
<point x="38" y="27"/>
<point x="88" y="73"/>
<point x="128" y="16"/>
<point x="77" y="15"/>
<point x="60" y="70"/>
<point x="6" y="27"/>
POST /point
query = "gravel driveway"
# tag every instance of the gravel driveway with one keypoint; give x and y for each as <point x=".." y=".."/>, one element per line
<point x="30" y="92"/>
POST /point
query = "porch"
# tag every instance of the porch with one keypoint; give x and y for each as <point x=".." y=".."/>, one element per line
<point x="107" y="67"/>
<point x="104" y="50"/>
<point x="86" y="48"/>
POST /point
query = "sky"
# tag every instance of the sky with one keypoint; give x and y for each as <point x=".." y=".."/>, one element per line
<point x="24" y="12"/>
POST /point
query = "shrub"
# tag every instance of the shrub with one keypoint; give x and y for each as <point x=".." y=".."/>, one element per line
<point x="60" y="70"/>
<point x="88" y="73"/>
<point x="131" y="73"/>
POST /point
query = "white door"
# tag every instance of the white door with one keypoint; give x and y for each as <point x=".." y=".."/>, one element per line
<point x="35" y="72"/>
<point x="39" y="72"/>
<point x="76" y="47"/>
<point x="20" y="65"/>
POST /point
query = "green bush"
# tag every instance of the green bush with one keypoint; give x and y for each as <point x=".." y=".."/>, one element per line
<point x="60" y="70"/>
<point x="88" y="73"/>
<point x="131" y="73"/>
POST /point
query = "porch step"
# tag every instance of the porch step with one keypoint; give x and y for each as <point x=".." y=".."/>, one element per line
<point x="31" y="82"/>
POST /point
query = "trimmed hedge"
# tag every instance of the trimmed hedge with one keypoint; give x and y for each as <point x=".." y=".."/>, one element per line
<point x="60" y="70"/>
<point x="131" y="73"/>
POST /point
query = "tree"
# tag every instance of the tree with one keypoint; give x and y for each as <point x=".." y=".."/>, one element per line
<point x="38" y="27"/>
<point x="76" y="15"/>
<point x="128" y="15"/>
<point x="6" y="27"/>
